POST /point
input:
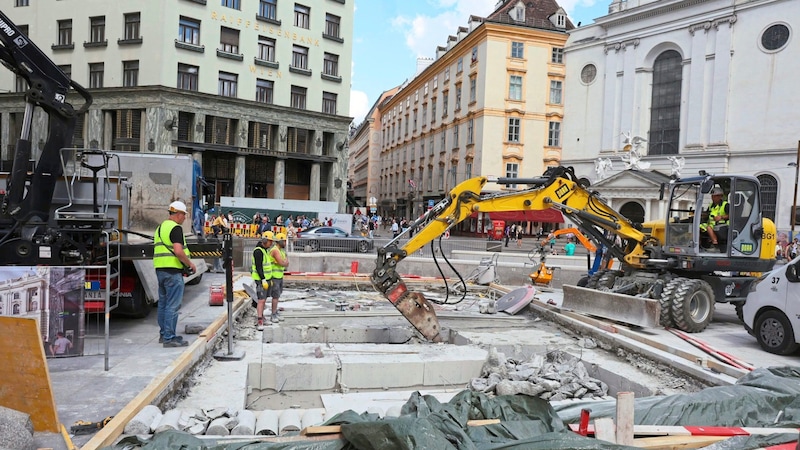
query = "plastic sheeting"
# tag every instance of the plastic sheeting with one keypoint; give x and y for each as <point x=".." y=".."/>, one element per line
<point x="531" y="423"/>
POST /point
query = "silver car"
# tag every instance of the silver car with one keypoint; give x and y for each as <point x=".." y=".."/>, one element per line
<point x="332" y="239"/>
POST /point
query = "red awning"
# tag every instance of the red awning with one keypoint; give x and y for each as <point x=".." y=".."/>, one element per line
<point x="544" y="215"/>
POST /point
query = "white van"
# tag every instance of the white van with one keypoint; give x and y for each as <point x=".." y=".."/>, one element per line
<point x="772" y="310"/>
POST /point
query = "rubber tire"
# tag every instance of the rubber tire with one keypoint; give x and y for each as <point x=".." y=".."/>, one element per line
<point x="774" y="333"/>
<point x="606" y="281"/>
<point x="665" y="301"/>
<point x="363" y="246"/>
<point x="740" y="311"/>
<point x="592" y="282"/>
<point x="583" y="282"/>
<point x="693" y="306"/>
<point x="138" y="297"/>
<point x="314" y="245"/>
<point x="195" y="281"/>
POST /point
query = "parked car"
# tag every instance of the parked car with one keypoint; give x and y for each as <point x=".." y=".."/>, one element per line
<point x="771" y="312"/>
<point x="332" y="239"/>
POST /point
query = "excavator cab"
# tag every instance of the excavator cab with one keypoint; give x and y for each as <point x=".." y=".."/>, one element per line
<point x="688" y="222"/>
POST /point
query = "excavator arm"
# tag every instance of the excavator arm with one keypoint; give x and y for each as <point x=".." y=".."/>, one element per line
<point x="559" y="188"/>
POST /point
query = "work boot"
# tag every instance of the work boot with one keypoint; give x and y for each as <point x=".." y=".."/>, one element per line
<point x="260" y="324"/>
<point x="274" y="318"/>
<point x="161" y="338"/>
<point x="175" y="343"/>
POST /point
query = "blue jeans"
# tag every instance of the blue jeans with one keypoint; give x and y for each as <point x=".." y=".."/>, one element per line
<point x="170" y="295"/>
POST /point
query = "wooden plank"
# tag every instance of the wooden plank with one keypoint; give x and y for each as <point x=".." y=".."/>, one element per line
<point x="625" y="418"/>
<point x="482" y="422"/>
<point x="26" y="383"/>
<point x="605" y="429"/>
<point x="677" y="442"/>
<point x="328" y="429"/>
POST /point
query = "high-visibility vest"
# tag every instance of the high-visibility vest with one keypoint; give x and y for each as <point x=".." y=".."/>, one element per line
<point x="717" y="210"/>
<point x="277" y="269"/>
<point x="163" y="258"/>
<point x="266" y="264"/>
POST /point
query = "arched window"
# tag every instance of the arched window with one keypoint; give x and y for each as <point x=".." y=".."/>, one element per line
<point x="769" y="196"/>
<point x="633" y="211"/>
<point x="665" y="109"/>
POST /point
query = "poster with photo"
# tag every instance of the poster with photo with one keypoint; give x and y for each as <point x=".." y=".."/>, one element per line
<point x="51" y="295"/>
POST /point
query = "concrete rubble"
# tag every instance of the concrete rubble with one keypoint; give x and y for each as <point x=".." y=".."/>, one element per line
<point x="554" y="376"/>
<point x="16" y="430"/>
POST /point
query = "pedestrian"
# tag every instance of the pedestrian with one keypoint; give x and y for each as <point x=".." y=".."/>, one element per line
<point x="371" y="226"/>
<point x="518" y="235"/>
<point x="279" y="262"/>
<point x="395" y="228"/>
<point x="261" y="272"/>
<point x="171" y="258"/>
<point x="507" y="233"/>
<point x="291" y="235"/>
<point x="552" y="238"/>
<point x="569" y="247"/>
<point x="61" y="346"/>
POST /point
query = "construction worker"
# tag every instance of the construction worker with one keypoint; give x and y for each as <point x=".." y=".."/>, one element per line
<point x="279" y="264"/>
<point x="171" y="259"/>
<point x="718" y="218"/>
<point x="261" y="271"/>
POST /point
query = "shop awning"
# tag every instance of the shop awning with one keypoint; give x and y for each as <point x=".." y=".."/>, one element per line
<point x="544" y="215"/>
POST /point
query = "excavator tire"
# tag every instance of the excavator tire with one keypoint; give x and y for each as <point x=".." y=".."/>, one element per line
<point x="606" y="281"/>
<point x="693" y="306"/>
<point x="592" y="282"/>
<point x="665" y="301"/>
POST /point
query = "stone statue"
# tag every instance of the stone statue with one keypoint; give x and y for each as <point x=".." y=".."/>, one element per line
<point x="601" y="167"/>
<point x="677" y="165"/>
<point x="633" y="156"/>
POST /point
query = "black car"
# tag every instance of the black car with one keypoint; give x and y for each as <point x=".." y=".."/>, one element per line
<point x="332" y="239"/>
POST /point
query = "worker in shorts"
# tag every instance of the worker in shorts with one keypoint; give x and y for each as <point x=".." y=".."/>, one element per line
<point x="261" y="271"/>
<point x="279" y="262"/>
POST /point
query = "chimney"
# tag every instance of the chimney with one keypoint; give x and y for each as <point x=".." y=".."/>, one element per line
<point x="423" y="63"/>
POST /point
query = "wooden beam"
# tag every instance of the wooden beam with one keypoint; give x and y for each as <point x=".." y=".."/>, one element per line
<point x="625" y="418"/>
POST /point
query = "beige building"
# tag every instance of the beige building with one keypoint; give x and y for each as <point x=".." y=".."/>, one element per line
<point x="256" y="90"/>
<point x="490" y="103"/>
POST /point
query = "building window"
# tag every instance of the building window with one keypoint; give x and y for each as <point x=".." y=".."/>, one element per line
<point x="127" y="130"/>
<point x="557" y="56"/>
<point x="187" y="77"/>
<point x="665" y="112"/>
<point x="300" y="56"/>
<point x="433" y="110"/>
<point x="443" y="137"/>
<point x="229" y="40"/>
<point x="513" y="129"/>
<point x="130" y="73"/>
<point x="231" y="4"/>
<point x="468" y="170"/>
<point x="435" y="82"/>
<point x="445" y="101"/>
<point x="446" y="74"/>
<point x="555" y="92"/>
<point x="227" y="84"/>
<point x="133" y="25"/>
<point x="554" y="134"/>
<point x="97" y="29"/>
<point x="65" y="32"/>
<point x="332" y="25"/>
<point x="517" y="49"/>
<point x="21" y="2"/>
<point x="301" y="15"/>
<point x="588" y="73"/>
<point x="769" y="196"/>
<point x="458" y="98"/>
<point x="474" y="54"/>
<point x="440" y="178"/>
<point x="67" y="69"/>
<point x="470" y="131"/>
<point x="266" y="48"/>
<point x="512" y="171"/>
<point x="189" y="31"/>
<point x="96" y="75"/>
<point x="424" y="114"/>
<point x="330" y="64"/>
<point x="329" y="103"/>
<point x="415" y="120"/>
<point x="472" y="89"/>
<point x="515" y="87"/>
<point x="460" y="65"/>
<point x="456" y="140"/>
<point x="298" y="97"/>
<point x="268" y="9"/>
<point x="775" y="37"/>
<point x="264" y="90"/>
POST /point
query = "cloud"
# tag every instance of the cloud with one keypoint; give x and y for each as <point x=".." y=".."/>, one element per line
<point x="359" y="105"/>
<point x="423" y="33"/>
<point x="571" y="6"/>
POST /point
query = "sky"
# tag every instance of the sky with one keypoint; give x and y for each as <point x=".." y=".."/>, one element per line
<point x="389" y="36"/>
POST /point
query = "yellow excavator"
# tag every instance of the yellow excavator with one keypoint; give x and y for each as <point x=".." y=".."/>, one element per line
<point x="670" y="261"/>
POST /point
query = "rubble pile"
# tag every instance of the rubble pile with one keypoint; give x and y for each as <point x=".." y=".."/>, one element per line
<point x="554" y="376"/>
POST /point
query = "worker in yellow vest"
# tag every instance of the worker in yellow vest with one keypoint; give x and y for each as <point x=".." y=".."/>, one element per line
<point x="261" y="271"/>
<point x="279" y="264"/>
<point x="171" y="259"/>
<point x="716" y="225"/>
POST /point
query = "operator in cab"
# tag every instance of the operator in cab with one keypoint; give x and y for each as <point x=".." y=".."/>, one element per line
<point x="716" y="226"/>
<point x="171" y="259"/>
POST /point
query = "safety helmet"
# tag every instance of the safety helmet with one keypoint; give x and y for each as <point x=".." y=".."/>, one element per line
<point x="280" y="237"/>
<point x="717" y="191"/>
<point x="177" y="206"/>
<point x="267" y="235"/>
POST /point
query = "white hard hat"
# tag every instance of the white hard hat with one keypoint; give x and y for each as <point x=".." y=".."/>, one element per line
<point x="717" y="191"/>
<point x="176" y="207"/>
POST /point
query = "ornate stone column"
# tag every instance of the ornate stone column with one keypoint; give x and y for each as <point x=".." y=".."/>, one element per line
<point x="238" y="181"/>
<point x="280" y="177"/>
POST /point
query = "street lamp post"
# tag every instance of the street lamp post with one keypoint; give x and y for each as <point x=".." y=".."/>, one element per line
<point x="794" y="198"/>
